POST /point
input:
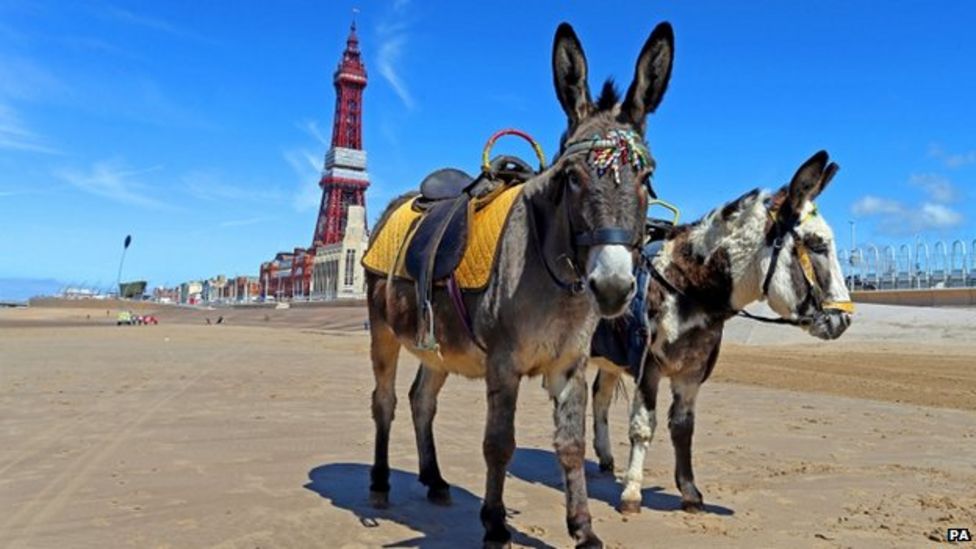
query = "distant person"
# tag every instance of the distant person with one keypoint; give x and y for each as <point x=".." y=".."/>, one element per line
<point x="208" y="321"/>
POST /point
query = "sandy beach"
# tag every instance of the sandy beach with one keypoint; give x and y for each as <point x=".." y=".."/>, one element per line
<point x="257" y="433"/>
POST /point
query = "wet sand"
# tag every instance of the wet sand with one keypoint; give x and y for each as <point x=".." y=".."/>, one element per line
<point x="257" y="433"/>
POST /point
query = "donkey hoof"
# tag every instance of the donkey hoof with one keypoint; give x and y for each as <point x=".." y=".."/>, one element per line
<point x="497" y="537"/>
<point x="692" y="506"/>
<point x="629" y="507"/>
<point x="439" y="495"/>
<point x="606" y="467"/>
<point x="590" y="542"/>
<point x="379" y="500"/>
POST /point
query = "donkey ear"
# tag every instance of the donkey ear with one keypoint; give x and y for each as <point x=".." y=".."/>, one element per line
<point x="569" y="74"/>
<point x="806" y="182"/>
<point x="829" y="172"/>
<point x="651" y="75"/>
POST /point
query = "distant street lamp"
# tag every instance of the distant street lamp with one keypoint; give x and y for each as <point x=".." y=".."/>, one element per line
<point x="118" y="279"/>
<point x="853" y="243"/>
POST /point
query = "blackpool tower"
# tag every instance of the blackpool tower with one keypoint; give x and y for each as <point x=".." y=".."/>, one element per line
<point x="344" y="178"/>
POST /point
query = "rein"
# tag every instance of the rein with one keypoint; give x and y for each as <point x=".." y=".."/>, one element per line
<point x="608" y="152"/>
<point x="814" y="290"/>
<point x="574" y="287"/>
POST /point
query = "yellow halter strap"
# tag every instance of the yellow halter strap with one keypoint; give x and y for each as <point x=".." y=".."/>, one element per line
<point x="806" y="264"/>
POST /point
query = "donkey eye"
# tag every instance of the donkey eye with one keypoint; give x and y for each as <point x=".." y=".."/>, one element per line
<point x="817" y="246"/>
<point x="574" y="182"/>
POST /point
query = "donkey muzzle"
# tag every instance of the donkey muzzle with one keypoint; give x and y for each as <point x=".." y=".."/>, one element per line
<point x="830" y="323"/>
<point x="611" y="278"/>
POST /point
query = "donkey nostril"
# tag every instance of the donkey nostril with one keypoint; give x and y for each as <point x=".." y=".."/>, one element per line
<point x="631" y="287"/>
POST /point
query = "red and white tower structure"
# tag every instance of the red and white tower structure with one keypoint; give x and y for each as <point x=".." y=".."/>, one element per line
<point x="344" y="178"/>
<point x="329" y="268"/>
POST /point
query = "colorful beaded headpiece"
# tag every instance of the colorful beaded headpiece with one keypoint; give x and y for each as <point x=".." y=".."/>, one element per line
<point x="609" y="152"/>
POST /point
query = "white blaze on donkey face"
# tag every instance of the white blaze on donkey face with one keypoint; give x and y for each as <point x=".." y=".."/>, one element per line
<point x="786" y="298"/>
<point x="610" y="277"/>
<point x="816" y="225"/>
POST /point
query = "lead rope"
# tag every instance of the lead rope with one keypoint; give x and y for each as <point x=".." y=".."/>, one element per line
<point x="573" y="288"/>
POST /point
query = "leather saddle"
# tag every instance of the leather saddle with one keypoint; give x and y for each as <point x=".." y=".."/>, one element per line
<point x="444" y="183"/>
<point x="447" y="199"/>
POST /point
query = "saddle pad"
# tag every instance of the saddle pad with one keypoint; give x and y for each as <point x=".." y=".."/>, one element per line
<point x="484" y="233"/>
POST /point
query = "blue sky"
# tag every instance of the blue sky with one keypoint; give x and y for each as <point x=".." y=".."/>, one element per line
<point x="200" y="127"/>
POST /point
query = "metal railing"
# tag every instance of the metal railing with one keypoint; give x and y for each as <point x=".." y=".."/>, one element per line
<point x="910" y="265"/>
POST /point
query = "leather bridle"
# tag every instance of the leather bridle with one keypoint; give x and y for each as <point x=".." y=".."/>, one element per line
<point x="784" y="225"/>
<point x="604" y="153"/>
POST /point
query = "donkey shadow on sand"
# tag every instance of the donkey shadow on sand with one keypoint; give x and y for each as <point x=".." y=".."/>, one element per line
<point x="343" y="484"/>
<point x="538" y="466"/>
<point x="440" y="527"/>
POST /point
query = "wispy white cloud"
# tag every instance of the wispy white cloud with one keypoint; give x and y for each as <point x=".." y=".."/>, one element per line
<point x="392" y="33"/>
<point x="14" y="135"/>
<point x="111" y="179"/>
<point x="897" y="218"/>
<point x="874" y="205"/>
<point x="311" y="127"/>
<point x="939" y="216"/>
<point x="937" y="187"/>
<point x="933" y="212"/>
<point x="389" y="55"/>
<point x="952" y="160"/>
<point x="306" y="166"/>
<point x="209" y="186"/>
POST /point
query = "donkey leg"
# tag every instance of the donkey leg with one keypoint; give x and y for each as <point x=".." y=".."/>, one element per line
<point x="681" y="422"/>
<point x="423" y="405"/>
<point x="603" y="388"/>
<point x="643" y="420"/>
<point x="384" y="350"/>
<point x="498" y="446"/>
<point x="568" y="392"/>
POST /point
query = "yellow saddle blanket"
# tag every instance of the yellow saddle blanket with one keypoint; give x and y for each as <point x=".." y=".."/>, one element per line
<point x="484" y="231"/>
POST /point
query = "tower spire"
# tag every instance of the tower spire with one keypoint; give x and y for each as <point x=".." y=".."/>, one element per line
<point x="344" y="178"/>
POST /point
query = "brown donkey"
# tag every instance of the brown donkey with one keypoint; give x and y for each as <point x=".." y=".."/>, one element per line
<point x="760" y="246"/>
<point x="565" y="259"/>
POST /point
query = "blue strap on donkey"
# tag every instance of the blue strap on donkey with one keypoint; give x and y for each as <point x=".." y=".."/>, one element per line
<point x="633" y="327"/>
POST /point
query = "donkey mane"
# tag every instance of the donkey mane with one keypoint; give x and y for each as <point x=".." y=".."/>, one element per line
<point x="609" y="96"/>
<point x="708" y="258"/>
<point x="711" y="229"/>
